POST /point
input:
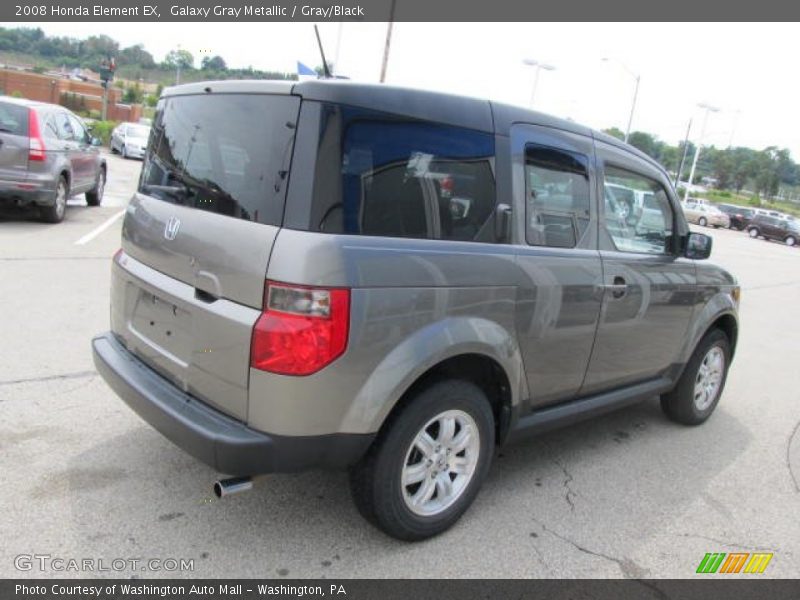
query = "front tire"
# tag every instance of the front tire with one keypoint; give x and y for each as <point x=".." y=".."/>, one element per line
<point x="702" y="222"/>
<point x="790" y="240"/>
<point x="428" y="462"/>
<point x="698" y="390"/>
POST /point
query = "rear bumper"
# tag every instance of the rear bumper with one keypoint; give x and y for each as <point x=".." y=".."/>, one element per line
<point x="225" y="444"/>
<point x="22" y="193"/>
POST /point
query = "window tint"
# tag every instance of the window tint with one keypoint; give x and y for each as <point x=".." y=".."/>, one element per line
<point x="50" y="130"/>
<point x="64" y="127"/>
<point x="638" y="215"/>
<point x="13" y="119"/>
<point x="385" y="175"/>
<point x="79" y="129"/>
<point x="557" y="193"/>
<point x="224" y="153"/>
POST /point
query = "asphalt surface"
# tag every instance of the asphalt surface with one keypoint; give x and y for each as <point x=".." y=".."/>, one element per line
<point x="627" y="495"/>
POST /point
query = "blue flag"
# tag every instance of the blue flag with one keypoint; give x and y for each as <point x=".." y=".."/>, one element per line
<point x="304" y="70"/>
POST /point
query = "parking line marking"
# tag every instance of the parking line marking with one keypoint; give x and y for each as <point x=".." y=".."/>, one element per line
<point x="98" y="230"/>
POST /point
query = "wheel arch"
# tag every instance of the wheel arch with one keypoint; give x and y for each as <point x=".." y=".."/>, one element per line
<point x="472" y="349"/>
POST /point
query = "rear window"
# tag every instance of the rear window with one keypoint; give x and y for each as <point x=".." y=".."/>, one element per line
<point x="386" y="175"/>
<point x="13" y="119"/>
<point x="225" y="153"/>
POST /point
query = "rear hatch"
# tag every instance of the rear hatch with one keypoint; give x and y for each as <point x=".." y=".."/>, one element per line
<point x="198" y="233"/>
<point x="13" y="141"/>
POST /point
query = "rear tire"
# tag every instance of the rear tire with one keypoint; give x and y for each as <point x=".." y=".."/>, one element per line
<point x="413" y="487"/>
<point x="790" y="240"/>
<point x="698" y="391"/>
<point x="702" y="222"/>
<point x="95" y="197"/>
<point x="56" y="212"/>
<point x="753" y="232"/>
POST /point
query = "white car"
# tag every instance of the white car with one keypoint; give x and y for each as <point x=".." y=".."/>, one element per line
<point x="130" y="140"/>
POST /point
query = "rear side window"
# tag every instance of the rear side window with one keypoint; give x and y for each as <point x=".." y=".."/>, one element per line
<point x="384" y="175"/>
<point x="224" y="153"/>
<point x="557" y="192"/>
<point x="13" y="119"/>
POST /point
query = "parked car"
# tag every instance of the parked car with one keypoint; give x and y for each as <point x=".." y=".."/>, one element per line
<point x="47" y="156"/>
<point x="739" y="216"/>
<point x="130" y="140"/>
<point x="705" y="215"/>
<point x="775" y="228"/>
<point x="439" y="279"/>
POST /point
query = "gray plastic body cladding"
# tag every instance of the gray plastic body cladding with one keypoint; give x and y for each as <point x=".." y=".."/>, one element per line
<point x="414" y="303"/>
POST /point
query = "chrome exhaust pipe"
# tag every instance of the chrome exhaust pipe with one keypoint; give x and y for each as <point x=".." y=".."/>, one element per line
<point x="233" y="485"/>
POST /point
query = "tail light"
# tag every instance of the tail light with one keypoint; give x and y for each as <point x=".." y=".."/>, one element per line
<point x="36" y="149"/>
<point x="301" y="329"/>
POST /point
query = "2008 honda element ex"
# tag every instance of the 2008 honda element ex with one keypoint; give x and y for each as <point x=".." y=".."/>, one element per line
<point x="396" y="282"/>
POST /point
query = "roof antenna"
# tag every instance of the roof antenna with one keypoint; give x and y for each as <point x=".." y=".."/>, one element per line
<point x="325" y="69"/>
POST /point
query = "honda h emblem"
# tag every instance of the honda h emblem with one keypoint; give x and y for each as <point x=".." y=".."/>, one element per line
<point x="172" y="227"/>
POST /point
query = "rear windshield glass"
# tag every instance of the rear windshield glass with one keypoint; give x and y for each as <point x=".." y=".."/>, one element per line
<point x="386" y="175"/>
<point x="141" y="131"/>
<point x="224" y="153"/>
<point x="13" y="119"/>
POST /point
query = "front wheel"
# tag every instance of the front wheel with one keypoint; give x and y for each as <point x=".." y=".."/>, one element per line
<point x="698" y="390"/>
<point x="790" y="240"/>
<point x="428" y="462"/>
<point x="702" y="222"/>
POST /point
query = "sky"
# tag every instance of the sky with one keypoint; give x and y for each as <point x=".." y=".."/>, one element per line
<point x="747" y="71"/>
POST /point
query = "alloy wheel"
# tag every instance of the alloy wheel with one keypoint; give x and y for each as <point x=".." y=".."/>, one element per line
<point x="440" y="463"/>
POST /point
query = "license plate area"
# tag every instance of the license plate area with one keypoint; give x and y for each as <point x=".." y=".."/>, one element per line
<point x="164" y="326"/>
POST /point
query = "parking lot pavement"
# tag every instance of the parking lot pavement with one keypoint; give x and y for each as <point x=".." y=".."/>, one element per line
<point x="626" y="495"/>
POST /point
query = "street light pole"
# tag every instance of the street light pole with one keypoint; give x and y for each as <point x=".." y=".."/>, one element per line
<point x="538" y="66"/>
<point x="637" y="78"/>
<point x="707" y="109"/>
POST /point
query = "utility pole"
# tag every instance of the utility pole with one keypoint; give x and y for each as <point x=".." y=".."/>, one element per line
<point x="388" y="42"/>
<point x="708" y="109"/>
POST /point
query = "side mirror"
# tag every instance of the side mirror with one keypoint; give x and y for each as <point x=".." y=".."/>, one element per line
<point x="698" y="246"/>
<point x="97" y="141"/>
<point x="502" y="222"/>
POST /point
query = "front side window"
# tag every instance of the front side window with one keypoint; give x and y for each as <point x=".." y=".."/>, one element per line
<point x="638" y="214"/>
<point x="557" y="197"/>
<point x="224" y="153"/>
<point x="386" y="175"/>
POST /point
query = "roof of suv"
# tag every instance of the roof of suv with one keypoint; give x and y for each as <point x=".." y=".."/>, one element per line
<point x="460" y="111"/>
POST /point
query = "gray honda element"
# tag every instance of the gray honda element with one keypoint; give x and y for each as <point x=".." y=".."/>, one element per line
<point x="397" y="282"/>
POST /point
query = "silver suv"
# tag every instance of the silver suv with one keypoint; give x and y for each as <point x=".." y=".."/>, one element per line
<point x="398" y="282"/>
<point x="46" y="156"/>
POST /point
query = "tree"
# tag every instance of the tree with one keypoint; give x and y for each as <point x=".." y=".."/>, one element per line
<point x="615" y="132"/>
<point x="213" y="63"/>
<point x="136" y="55"/>
<point x="179" y="58"/>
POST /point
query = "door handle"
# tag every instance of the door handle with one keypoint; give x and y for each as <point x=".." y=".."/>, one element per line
<point x="618" y="288"/>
